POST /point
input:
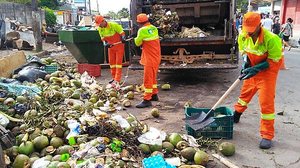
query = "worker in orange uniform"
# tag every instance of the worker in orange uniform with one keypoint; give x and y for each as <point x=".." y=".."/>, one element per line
<point x="148" y="39"/>
<point x="263" y="57"/>
<point x="110" y="33"/>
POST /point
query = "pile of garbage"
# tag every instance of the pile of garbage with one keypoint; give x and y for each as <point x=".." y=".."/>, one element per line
<point x="166" y="21"/>
<point x="67" y="119"/>
<point x="168" y="24"/>
<point x="17" y="35"/>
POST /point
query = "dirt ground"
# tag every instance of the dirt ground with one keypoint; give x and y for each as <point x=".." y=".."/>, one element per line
<point x="203" y="89"/>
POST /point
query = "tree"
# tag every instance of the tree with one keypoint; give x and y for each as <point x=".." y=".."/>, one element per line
<point x="112" y="15"/>
<point x="123" y="13"/>
<point x="242" y="5"/>
<point x="50" y="17"/>
<point x="51" y="4"/>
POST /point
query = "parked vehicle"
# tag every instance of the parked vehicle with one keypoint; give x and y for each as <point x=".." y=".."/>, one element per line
<point x="217" y="51"/>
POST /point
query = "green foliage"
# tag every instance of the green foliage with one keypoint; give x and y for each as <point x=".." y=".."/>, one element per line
<point x="50" y="17"/>
<point x="123" y="13"/>
<point x="112" y="15"/>
<point x="242" y="5"/>
<point x="51" y="4"/>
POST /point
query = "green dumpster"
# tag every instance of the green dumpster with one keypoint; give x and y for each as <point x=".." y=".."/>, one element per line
<point x="86" y="46"/>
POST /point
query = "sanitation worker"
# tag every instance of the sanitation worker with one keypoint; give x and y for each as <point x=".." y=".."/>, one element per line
<point x="148" y="39"/>
<point x="262" y="51"/>
<point x="110" y="33"/>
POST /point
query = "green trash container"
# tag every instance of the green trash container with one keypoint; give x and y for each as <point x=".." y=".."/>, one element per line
<point x="86" y="46"/>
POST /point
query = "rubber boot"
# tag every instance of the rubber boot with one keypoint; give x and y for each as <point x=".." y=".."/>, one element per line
<point x="265" y="144"/>
<point x="143" y="104"/>
<point x="236" y="117"/>
<point x="154" y="97"/>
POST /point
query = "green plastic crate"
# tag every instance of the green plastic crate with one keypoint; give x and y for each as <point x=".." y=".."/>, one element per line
<point x="51" y="68"/>
<point x="222" y="127"/>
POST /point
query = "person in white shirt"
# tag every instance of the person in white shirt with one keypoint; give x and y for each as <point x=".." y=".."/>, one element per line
<point x="267" y="23"/>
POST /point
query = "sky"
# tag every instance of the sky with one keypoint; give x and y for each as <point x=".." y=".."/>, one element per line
<point x="110" y="5"/>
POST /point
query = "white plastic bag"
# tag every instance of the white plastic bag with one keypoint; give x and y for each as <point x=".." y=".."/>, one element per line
<point x="74" y="128"/>
<point x="122" y="121"/>
<point x="153" y="137"/>
<point x="3" y="120"/>
<point x="40" y="163"/>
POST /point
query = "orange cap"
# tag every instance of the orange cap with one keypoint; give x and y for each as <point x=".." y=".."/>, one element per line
<point x="141" y="18"/>
<point x="98" y="19"/>
<point x="250" y="21"/>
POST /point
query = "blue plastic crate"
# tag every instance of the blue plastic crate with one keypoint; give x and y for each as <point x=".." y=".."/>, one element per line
<point x="156" y="161"/>
<point x="222" y="127"/>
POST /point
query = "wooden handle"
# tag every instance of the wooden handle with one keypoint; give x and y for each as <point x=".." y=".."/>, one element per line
<point x="225" y="161"/>
<point x="226" y="93"/>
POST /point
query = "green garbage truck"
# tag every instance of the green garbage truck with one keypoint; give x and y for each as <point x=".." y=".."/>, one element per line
<point x="218" y="50"/>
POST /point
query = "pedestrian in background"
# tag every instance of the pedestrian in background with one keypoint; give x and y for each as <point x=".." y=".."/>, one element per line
<point x="262" y="52"/>
<point x="267" y="23"/>
<point x="148" y="39"/>
<point x="287" y="32"/>
<point x="110" y="33"/>
<point x="276" y="26"/>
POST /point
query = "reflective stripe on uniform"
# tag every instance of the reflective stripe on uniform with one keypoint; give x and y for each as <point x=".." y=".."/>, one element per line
<point x="267" y="42"/>
<point x="112" y="66"/>
<point x="119" y="66"/>
<point x="148" y="90"/>
<point x="242" y="102"/>
<point x="268" y="116"/>
<point x="155" y="86"/>
<point x="146" y="33"/>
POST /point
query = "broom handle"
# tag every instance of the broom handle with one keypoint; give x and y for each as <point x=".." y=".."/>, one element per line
<point x="226" y="94"/>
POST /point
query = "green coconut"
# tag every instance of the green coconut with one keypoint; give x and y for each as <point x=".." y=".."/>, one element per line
<point x="26" y="148"/>
<point x="145" y="148"/>
<point x="21" y="161"/>
<point x="56" y="142"/>
<point x="40" y="142"/>
<point x="188" y="153"/>
<point x="21" y="99"/>
<point x="174" y="138"/>
<point x="64" y="149"/>
<point x="201" y="158"/>
<point x="168" y="147"/>
<point x="155" y="148"/>
<point x="155" y="112"/>
<point x="166" y="87"/>
<point x="227" y="148"/>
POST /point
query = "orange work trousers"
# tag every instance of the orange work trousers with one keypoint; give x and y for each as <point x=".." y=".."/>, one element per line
<point x="115" y="58"/>
<point x="150" y="81"/>
<point x="265" y="84"/>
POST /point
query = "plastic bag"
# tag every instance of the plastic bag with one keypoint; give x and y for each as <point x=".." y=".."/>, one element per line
<point x="3" y="120"/>
<point x="153" y="137"/>
<point x="19" y="90"/>
<point x="122" y="121"/>
<point x="31" y="74"/>
<point x="40" y="163"/>
<point x="74" y="128"/>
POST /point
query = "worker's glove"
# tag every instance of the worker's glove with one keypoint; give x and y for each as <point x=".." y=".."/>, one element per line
<point x="123" y="39"/>
<point x="107" y="45"/>
<point x="252" y="71"/>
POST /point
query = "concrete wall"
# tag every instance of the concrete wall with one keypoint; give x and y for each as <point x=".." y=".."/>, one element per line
<point x="19" y="12"/>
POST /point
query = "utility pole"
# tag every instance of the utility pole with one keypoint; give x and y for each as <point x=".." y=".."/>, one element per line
<point x="36" y="25"/>
<point x="90" y="7"/>
<point x="98" y="6"/>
